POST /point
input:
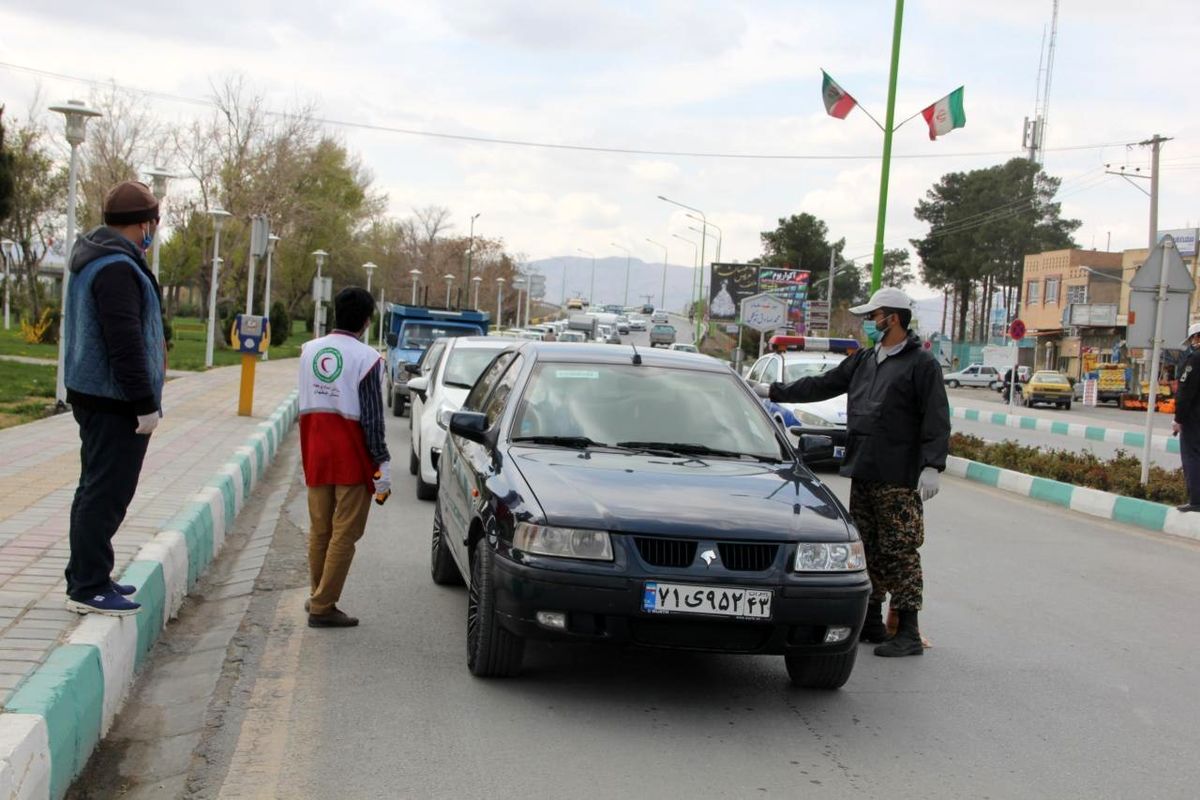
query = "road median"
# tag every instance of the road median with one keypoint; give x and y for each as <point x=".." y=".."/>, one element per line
<point x="1094" y="433"/>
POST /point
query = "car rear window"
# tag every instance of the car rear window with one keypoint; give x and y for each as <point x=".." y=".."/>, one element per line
<point x="1051" y="377"/>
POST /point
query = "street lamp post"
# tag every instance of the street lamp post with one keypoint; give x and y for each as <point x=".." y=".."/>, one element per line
<point x="76" y="115"/>
<point x="704" y="225"/>
<point x="499" y="301"/>
<point x="449" y="279"/>
<point x="369" y="268"/>
<point x="592" y="291"/>
<point x="219" y="215"/>
<point x="695" y="254"/>
<point x="416" y="277"/>
<point x="662" y="298"/>
<point x="6" y="247"/>
<point x="720" y="233"/>
<point x="320" y="256"/>
<point x="272" y="243"/>
<point x="158" y="179"/>
<point x="471" y="247"/>
<point x="627" y="257"/>
<point x="476" y="280"/>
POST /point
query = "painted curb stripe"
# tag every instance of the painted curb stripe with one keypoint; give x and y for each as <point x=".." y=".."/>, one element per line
<point x="1094" y="433"/>
<point x="57" y="716"/>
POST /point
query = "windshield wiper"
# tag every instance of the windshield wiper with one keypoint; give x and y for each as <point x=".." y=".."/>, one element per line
<point x="693" y="449"/>
<point x="561" y="441"/>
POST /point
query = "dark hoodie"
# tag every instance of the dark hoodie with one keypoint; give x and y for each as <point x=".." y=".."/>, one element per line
<point x="119" y="306"/>
<point x="897" y="415"/>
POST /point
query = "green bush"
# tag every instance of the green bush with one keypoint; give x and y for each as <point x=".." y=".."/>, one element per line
<point x="1120" y="474"/>
<point x="281" y="324"/>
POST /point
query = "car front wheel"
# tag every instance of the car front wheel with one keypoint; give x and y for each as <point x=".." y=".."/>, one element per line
<point x="492" y="651"/>
<point x="822" y="671"/>
<point x="442" y="568"/>
<point x="952" y="384"/>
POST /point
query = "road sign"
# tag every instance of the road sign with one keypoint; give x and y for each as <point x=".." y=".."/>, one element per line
<point x="537" y="285"/>
<point x="1144" y="297"/>
<point x="764" y="312"/>
<point x="1017" y="330"/>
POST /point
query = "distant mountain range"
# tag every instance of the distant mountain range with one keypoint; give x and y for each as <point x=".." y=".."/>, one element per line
<point x="647" y="279"/>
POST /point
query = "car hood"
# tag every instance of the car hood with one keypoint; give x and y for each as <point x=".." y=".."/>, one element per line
<point x="678" y="496"/>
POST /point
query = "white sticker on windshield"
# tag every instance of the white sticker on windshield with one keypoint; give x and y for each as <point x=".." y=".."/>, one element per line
<point x="577" y="374"/>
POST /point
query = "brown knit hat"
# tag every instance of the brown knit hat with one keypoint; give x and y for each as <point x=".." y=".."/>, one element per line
<point x="129" y="203"/>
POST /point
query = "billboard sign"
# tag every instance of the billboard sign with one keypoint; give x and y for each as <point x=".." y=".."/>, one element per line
<point x="1185" y="239"/>
<point x="791" y="286"/>
<point x="764" y="312"/>
<point x="728" y="286"/>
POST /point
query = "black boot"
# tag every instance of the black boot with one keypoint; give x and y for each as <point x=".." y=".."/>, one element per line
<point x="873" y="629"/>
<point x="907" y="641"/>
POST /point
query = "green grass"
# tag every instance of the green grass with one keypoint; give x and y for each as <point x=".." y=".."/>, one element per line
<point x="12" y="344"/>
<point x="26" y="392"/>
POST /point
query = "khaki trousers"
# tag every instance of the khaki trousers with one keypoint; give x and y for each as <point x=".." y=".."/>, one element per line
<point x="337" y="517"/>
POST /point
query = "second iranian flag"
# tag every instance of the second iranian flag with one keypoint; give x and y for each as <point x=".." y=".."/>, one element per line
<point x="946" y="114"/>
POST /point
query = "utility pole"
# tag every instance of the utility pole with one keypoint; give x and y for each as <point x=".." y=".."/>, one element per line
<point x="1155" y="143"/>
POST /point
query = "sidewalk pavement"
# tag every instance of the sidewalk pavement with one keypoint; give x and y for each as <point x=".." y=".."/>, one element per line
<point x="202" y="462"/>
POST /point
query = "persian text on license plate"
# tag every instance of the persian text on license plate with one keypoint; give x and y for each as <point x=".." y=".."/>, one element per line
<point x="724" y="601"/>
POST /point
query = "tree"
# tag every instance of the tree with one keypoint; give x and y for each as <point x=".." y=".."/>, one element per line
<point x="896" y="269"/>
<point x="801" y="242"/>
<point x="982" y="225"/>
<point x="6" y="174"/>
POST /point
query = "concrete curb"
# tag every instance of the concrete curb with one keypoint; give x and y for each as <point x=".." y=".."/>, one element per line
<point x="57" y="716"/>
<point x="1142" y="513"/>
<point x="1095" y="433"/>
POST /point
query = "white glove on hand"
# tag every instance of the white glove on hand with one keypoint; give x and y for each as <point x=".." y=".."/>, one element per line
<point x="147" y="423"/>
<point x="383" y="478"/>
<point x="929" y="483"/>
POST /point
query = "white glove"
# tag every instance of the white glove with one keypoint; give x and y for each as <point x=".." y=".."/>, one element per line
<point x="929" y="483"/>
<point x="147" y="423"/>
<point x="383" y="478"/>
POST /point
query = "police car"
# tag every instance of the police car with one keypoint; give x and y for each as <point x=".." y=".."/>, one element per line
<point x="793" y="357"/>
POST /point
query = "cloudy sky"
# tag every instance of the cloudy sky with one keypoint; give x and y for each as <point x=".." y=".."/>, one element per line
<point x="701" y="76"/>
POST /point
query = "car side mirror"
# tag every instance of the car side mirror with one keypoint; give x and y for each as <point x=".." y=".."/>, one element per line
<point x="471" y="425"/>
<point x="419" y="386"/>
<point x="814" y="447"/>
<point x="393" y="340"/>
<point x="412" y="369"/>
<point x="763" y="390"/>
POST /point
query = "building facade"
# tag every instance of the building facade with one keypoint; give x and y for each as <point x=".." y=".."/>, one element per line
<point x="1071" y="305"/>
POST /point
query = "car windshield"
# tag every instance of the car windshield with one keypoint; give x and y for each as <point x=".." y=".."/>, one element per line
<point x="420" y="335"/>
<point x="466" y="364"/>
<point x="1051" y="377"/>
<point x="794" y="370"/>
<point x="622" y="403"/>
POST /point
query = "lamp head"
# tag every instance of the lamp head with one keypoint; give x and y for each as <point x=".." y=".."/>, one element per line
<point x="77" y="115"/>
<point x="320" y="256"/>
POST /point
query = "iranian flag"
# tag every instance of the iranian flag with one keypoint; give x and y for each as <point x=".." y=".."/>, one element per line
<point x="838" y="103"/>
<point x="946" y="114"/>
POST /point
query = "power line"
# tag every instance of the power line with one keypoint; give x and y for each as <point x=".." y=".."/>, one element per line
<point x="497" y="140"/>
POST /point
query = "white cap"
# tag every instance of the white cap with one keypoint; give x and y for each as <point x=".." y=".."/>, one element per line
<point x="887" y="297"/>
<point x="1193" y="329"/>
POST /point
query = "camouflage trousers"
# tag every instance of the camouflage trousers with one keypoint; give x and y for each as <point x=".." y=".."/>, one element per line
<point x="891" y="521"/>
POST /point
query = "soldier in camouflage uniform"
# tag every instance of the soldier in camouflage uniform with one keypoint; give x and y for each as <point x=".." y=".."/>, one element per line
<point x="898" y="437"/>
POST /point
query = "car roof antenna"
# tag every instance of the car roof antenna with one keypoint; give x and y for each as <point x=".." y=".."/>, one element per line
<point x="637" y="357"/>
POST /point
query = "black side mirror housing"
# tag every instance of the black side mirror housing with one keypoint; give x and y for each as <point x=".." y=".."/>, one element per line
<point x="412" y="369"/>
<point x="393" y="340"/>
<point x="471" y="425"/>
<point x="814" y="446"/>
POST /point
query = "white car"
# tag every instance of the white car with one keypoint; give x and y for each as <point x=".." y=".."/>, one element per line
<point x="637" y="323"/>
<point x="439" y="394"/>
<point x="975" y="375"/>
<point x="826" y="417"/>
<point x="684" y="346"/>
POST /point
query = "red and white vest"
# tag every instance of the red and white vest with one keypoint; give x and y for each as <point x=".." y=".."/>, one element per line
<point x="333" y="446"/>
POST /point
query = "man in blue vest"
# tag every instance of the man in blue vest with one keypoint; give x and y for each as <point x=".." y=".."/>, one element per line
<point x="115" y="368"/>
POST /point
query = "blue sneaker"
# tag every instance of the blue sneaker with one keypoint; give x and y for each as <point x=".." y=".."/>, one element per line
<point x="124" y="588"/>
<point x="109" y="603"/>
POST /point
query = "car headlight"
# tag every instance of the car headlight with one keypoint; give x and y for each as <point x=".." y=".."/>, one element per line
<point x="563" y="542"/>
<point x="442" y="417"/>
<point x="810" y="420"/>
<point x="830" y="557"/>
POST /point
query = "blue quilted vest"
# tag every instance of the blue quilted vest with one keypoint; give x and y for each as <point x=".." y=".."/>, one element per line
<point x="87" y="359"/>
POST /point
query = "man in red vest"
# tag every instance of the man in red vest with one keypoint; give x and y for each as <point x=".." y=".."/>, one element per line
<point x="343" y="448"/>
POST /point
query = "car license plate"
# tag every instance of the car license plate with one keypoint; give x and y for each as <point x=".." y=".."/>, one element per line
<point x="839" y="452"/>
<point x="723" y="601"/>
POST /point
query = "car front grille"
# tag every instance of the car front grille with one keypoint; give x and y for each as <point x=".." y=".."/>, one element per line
<point x="666" y="552"/>
<point x="747" y="556"/>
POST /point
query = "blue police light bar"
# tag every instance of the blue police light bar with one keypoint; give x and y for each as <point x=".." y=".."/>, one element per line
<point x="813" y="344"/>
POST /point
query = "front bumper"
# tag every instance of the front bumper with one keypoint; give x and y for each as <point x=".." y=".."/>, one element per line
<point x="607" y="608"/>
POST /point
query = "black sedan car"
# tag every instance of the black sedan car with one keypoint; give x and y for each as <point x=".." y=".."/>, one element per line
<point x="605" y="494"/>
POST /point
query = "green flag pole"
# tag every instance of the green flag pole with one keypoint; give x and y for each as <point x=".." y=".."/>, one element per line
<point x="877" y="267"/>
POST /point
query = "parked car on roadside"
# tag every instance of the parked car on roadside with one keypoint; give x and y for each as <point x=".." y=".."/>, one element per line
<point x="587" y="495"/>
<point x="976" y="375"/>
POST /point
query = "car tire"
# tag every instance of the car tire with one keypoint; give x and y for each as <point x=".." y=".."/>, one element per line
<point x="1067" y="406"/>
<point x="425" y="491"/>
<point x="414" y="463"/>
<point x="492" y="651"/>
<point x="397" y="405"/>
<point x="442" y="568"/>
<point x="821" y="671"/>
<point x="953" y="384"/>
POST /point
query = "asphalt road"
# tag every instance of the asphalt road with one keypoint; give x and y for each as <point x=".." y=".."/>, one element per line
<point x="1063" y="665"/>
